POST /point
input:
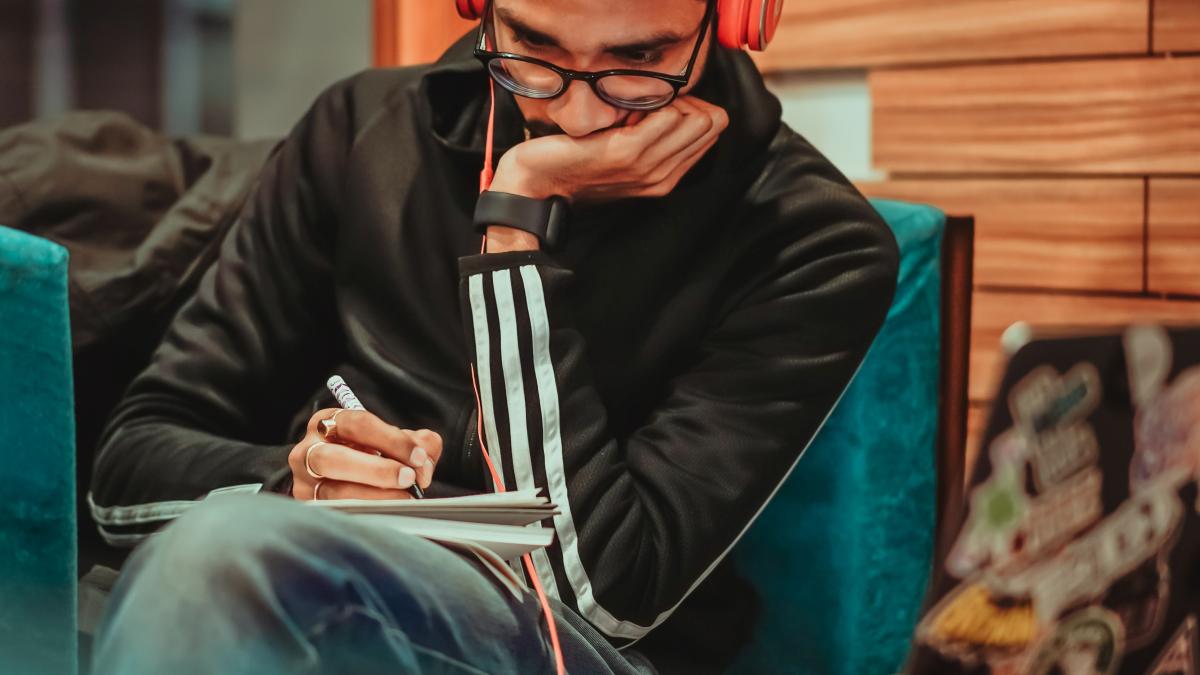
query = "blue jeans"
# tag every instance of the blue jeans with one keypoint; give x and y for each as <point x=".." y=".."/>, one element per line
<point x="263" y="584"/>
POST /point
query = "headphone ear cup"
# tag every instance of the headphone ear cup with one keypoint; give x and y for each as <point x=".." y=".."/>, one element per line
<point x="732" y="23"/>
<point x="469" y="9"/>
<point x="763" y="19"/>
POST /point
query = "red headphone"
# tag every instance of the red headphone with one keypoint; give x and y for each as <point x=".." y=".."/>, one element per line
<point x="740" y="23"/>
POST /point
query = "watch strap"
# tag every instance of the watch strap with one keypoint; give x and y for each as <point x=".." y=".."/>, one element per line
<point x="543" y="218"/>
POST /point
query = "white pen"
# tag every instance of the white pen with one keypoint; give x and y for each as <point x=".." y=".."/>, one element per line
<point x="346" y="399"/>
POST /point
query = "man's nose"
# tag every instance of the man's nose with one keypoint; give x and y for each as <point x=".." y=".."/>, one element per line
<point x="579" y="112"/>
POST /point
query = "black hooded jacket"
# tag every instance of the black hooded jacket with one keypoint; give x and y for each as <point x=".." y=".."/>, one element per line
<point x="658" y="376"/>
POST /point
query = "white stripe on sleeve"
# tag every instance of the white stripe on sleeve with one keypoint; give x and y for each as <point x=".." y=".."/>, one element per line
<point x="483" y="370"/>
<point x="510" y="359"/>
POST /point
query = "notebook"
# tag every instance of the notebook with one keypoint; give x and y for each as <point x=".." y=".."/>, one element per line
<point x="499" y="522"/>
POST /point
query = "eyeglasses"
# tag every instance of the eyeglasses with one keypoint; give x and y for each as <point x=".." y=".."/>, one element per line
<point x="624" y="88"/>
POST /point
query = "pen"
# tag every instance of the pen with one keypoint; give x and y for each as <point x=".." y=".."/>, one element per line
<point x="346" y="399"/>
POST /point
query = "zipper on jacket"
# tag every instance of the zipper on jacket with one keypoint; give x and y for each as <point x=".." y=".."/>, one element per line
<point x="469" y="438"/>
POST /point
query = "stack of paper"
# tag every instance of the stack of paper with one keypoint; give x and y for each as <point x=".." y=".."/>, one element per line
<point x="496" y="522"/>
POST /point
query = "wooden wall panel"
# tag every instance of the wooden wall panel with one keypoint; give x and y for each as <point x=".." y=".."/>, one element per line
<point x="1065" y="234"/>
<point x="993" y="312"/>
<point x="848" y="33"/>
<point x="1130" y="116"/>
<point x="1174" y="244"/>
<point x="1176" y="25"/>
<point x="414" y="31"/>
<point x="385" y="33"/>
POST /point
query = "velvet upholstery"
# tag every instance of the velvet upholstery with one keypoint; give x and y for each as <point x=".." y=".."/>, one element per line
<point x="841" y="555"/>
<point x="37" y="459"/>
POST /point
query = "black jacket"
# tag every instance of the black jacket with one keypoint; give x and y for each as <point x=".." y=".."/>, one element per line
<point x="659" y="375"/>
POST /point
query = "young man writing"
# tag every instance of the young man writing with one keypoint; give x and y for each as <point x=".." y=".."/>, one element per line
<point x="656" y="361"/>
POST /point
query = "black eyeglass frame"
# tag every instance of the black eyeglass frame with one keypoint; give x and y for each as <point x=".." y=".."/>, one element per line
<point x="566" y="75"/>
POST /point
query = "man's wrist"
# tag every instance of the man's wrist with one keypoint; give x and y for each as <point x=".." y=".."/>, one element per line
<point x="502" y="239"/>
<point x="512" y="178"/>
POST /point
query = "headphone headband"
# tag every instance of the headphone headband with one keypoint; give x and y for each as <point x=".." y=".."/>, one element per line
<point x="741" y="24"/>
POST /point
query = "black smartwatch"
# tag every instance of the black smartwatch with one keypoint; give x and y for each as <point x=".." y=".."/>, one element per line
<point x="546" y="219"/>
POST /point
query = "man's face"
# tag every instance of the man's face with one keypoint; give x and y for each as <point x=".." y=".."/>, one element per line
<point x="653" y="35"/>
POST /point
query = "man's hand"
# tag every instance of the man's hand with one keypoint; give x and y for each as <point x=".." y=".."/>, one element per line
<point x="645" y="158"/>
<point x="348" y="465"/>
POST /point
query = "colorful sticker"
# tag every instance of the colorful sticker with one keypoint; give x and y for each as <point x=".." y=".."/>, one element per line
<point x="1179" y="656"/>
<point x="1140" y="528"/>
<point x="1088" y="642"/>
<point x="1050" y="411"/>
<point x="1167" y="431"/>
<point x="995" y="523"/>
<point x="1140" y="598"/>
<point x="1043" y="399"/>
<point x="1060" y="452"/>
<point x="1060" y="514"/>
<point x="1007" y="531"/>
<point x="1148" y="361"/>
<point x="973" y="625"/>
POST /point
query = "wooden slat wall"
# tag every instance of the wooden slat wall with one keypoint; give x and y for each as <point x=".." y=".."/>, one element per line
<point x="1079" y="234"/>
<point x="1128" y="116"/>
<point x="1176" y="25"/>
<point x="1070" y="129"/>
<point x="1174" y="235"/>
<point x="994" y="311"/>
<point x="414" y="31"/>
<point x="855" y="33"/>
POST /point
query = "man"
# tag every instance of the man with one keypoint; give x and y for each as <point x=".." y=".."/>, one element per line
<point x="658" y="372"/>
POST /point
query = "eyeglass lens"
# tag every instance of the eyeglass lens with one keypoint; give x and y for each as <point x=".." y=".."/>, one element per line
<point x="536" y="81"/>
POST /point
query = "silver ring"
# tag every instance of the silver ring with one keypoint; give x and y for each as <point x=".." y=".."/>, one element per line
<point x="317" y="490"/>
<point x="307" y="466"/>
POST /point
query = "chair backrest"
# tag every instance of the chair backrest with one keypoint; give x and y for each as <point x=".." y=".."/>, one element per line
<point x="37" y="464"/>
<point x="842" y="554"/>
<point x="958" y="255"/>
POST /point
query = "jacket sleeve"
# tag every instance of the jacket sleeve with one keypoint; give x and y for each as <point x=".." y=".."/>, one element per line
<point x="212" y="408"/>
<point x="645" y="516"/>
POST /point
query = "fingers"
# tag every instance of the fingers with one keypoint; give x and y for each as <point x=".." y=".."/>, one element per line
<point x="364" y="429"/>
<point x="624" y="146"/>
<point x="694" y="125"/>
<point x="692" y="153"/>
<point x="431" y="442"/>
<point x="315" y="420"/>
<point x="334" y="489"/>
<point x="366" y="450"/>
<point x="338" y="462"/>
<point x="673" y="171"/>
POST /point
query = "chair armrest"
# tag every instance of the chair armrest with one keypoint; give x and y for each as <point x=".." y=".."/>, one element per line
<point x="37" y="464"/>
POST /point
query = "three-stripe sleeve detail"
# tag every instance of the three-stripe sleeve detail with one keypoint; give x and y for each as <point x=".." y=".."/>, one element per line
<point x="517" y="336"/>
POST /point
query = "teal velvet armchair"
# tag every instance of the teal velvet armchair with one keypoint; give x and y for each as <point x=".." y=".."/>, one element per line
<point x="840" y="556"/>
<point x="37" y="459"/>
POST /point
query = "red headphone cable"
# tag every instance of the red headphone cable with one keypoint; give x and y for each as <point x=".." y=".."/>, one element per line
<point x="485" y="181"/>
